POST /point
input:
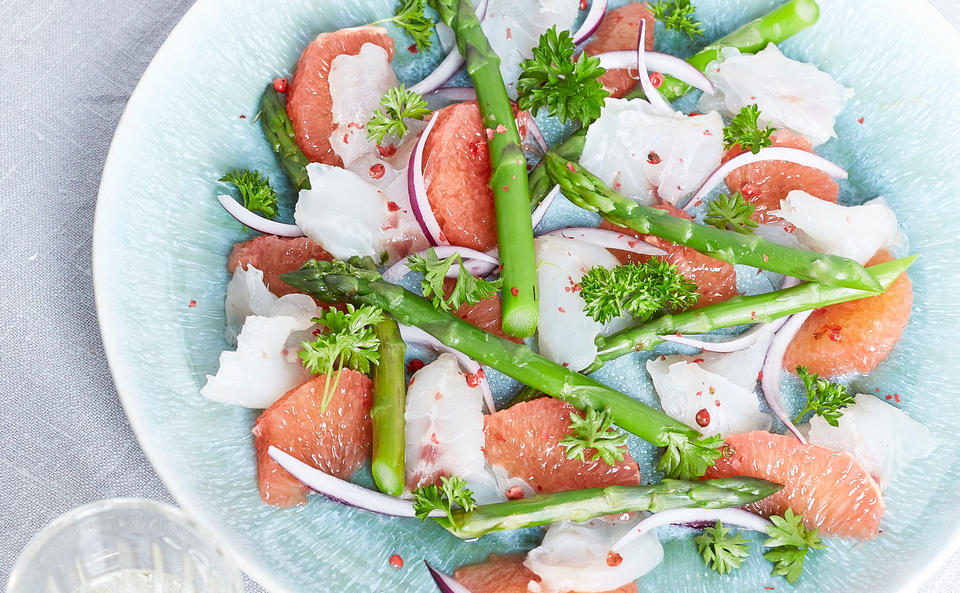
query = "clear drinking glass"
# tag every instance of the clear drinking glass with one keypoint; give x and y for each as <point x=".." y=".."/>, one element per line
<point x="124" y="545"/>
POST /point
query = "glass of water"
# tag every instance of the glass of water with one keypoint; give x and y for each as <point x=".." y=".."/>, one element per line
<point x="124" y="545"/>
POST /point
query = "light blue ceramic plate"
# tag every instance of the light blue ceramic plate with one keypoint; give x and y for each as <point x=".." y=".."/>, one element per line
<point x="161" y="240"/>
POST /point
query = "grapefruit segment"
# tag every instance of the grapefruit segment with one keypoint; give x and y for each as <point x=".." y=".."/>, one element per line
<point x="525" y="440"/>
<point x="309" y="103"/>
<point x="829" y="488"/>
<point x="506" y="574"/>
<point x="765" y="184"/>
<point x="273" y="256"/>
<point x="619" y="31"/>
<point x="853" y="337"/>
<point x="336" y="441"/>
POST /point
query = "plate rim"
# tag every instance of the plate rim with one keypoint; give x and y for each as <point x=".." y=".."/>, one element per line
<point x="126" y="389"/>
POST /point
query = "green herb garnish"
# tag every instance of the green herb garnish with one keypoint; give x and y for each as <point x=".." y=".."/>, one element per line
<point x="824" y="398"/>
<point x="731" y="213"/>
<point x="687" y="459"/>
<point x="255" y="191"/>
<point x="412" y="18"/>
<point x="721" y="551"/>
<point x="452" y="491"/>
<point x="594" y="430"/>
<point x="677" y="15"/>
<point x="790" y="541"/>
<point x="396" y="105"/>
<point x="743" y="130"/>
<point x="640" y="289"/>
<point x="469" y="289"/>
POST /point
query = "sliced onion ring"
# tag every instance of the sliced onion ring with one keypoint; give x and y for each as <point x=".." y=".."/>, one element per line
<point x="418" y="336"/>
<point x="445" y="582"/>
<point x="534" y="129"/>
<point x="449" y="66"/>
<point x="659" y="62"/>
<point x="541" y="210"/>
<point x="476" y="262"/>
<point x="598" y="9"/>
<point x="736" y="344"/>
<point x="417" y="189"/>
<point x="773" y="368"/>
<point x="257" y="222"/>
<point x="658" y="101"/>
<point x="731" y="517"/>
<point x="451" y="94"/>
<point x="770" y="153"/>
<point x="343" y="491"/>
<point x="607" y="239"/>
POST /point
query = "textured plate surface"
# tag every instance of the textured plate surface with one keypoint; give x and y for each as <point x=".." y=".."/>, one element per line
<point x="161" y="241"/>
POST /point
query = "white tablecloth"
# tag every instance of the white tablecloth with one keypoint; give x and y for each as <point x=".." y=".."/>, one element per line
<point x="68" y="67"/>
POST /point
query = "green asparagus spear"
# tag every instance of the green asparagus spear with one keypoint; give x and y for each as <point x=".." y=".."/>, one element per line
<point x="742" y="310"/>
<point x="773" y="27"/>
<point x="582" y="505"/>
<point x="587" y="191"/>
<point x="508" y="164"/>
<point x="389" y="396"/>
<point x="339" y="281"/>
<point x="279" y="131"/>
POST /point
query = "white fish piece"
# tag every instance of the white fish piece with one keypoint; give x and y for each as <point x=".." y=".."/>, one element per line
<point x="722" y="384"/>
<point x="247" y="294"/>
<point x="642" y="153"/>
<point x="260" y="371"/>
<point x="882" y="437"/>
<point x="856" y="232"/>
<point x="790" y="94"/>
<point x="514" y="29"/>
<point x="573" y="556"/>
<point x="444" y="430"/>
<point x="566" y="334"/>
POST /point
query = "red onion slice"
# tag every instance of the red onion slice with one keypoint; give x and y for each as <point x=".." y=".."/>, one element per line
<point x="257" y="222"/>
<point x="445" y="582"/>
<point x="736" y="344"/>
<point x="534" y="129"/>
<point x="449" y="66"/>
<point x="773" y="367"/>
<point x="658" y="62"/>
<point x="343" y="491"/>
<point x="653" y="95"/>
<point x="607" y="239"/>
<point x="418" y="336"/>
<point x="451" y="94"/>
<point x="770" y="153"/>
<point x="542" y="207"/>
<point x="476" y="262"/>
<point x="417" y="189"/>
<point x="732" y="517"/>
<point x="598" y="9"/>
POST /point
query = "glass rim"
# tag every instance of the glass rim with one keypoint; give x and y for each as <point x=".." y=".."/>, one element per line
<point x="169" y="511"/>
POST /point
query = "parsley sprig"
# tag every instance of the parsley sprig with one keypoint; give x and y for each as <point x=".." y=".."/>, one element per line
<point x="790" y="541"/>
<point x="568" y="88"/>
<point x="469" y="289"/>
<point x="744" y="130"/>
<point x="640" y="289"/>
<point x="594" y="430"/>
<point x="731" y="213"/>
<point x="824" y="398"/>
<point x="412" y="18"/>
<point x="255" y="191"/>
<point x="452" y="491"/>
<point x="347" y="340"/>
<point x="720" y="550"/>
<point x="677" y="15"/>
<point x="685" y="459"/>
<point x="395" y="105"/>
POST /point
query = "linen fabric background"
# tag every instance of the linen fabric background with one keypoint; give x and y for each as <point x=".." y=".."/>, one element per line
<point x="68" y="68"/>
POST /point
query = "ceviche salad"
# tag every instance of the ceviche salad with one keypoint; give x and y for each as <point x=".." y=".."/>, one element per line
<point x="418" y="223"/>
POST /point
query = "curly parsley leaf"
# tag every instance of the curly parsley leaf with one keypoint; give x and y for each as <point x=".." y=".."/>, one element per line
<point x="824" y="398"/>
<point x="411" y="16"/>
<point x="686" y="459"/>
<point x="790" y="541"/>
<point x="678" y="15"/>
<point x="395" y="105"/>
<point x="744" y="130"/>
<point x="594" y="430"/>
<point x="347" y="340"/>
<point x="452" y="491"/>
<point x="720" y="551"/>
<point x="255" y="191"/>
<point x="469" y="289"/>
<point x="731" y="213"/>
<point x="568" y="88"/>
<point x="640" y="289"/>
